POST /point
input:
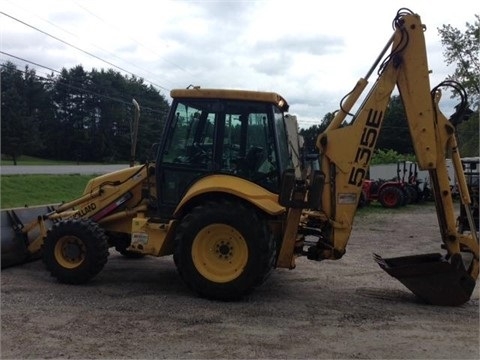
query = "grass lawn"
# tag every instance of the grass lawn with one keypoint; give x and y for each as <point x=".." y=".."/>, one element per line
<point x="21" y="190"/>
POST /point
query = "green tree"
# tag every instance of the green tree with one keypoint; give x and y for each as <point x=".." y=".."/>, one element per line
<point x="109" y="136"/>
<point x="39" y="109"/>
<point x="78" y="115"/>
<point x="13" y="111"/>
<point x="154" y="110"/>
<point x="114" y="108"/>
<point x="72" y="116"/>
<point x="461" y="49"/>
<point x="310" y="135"/>
<point x="19" y="112"/>
<point x="395" y="134"/>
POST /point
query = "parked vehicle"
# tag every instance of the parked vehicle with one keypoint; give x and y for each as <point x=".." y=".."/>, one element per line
<point x="222" y="195"/>
<point x="471" y="169"/>
<point x="389" y="193"/>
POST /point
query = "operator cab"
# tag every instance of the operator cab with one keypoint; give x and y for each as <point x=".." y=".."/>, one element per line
<point x="231" y="132"/>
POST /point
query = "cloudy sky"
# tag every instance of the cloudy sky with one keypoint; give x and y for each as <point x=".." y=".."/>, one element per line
<point x="311" y="52"/>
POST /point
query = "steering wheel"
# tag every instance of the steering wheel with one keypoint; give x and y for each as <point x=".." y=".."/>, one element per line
<point x="198" y="154"/>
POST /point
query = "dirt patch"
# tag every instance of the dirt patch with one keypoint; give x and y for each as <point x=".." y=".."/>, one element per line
<point x="345" y="309"/>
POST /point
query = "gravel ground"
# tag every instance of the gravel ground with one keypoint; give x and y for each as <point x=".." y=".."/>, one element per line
<point x="344" y="309"/>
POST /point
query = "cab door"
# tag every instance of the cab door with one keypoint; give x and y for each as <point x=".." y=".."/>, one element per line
<point x="188" y="154"/>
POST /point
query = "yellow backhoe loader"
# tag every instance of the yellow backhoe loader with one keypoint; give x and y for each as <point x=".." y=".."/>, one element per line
<point x="224" y="198"/>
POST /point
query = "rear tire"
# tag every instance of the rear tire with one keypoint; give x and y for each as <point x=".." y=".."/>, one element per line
<point x="74" y="251"/>
<point x="223" y="250"/>
<point x="391" y="197"/>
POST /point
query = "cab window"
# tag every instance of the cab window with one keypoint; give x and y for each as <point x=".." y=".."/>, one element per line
<point x="191" y="140"/>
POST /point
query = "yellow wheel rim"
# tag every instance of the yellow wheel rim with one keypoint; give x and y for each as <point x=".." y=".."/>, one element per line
<point x="70" y="252"/>
<point x="219" y="253"/>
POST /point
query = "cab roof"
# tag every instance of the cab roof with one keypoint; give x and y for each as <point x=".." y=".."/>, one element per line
<point x="231" y="94"/>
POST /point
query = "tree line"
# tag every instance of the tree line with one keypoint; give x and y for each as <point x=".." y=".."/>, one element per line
<point x="87" y="116"/>
<point x="461" y="49"/>
<point x="394" y="137"/>
<point x="77" y="115"/>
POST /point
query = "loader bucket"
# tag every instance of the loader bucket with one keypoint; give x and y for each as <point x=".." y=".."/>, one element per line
<point x="431" y="277"/>
<point x="14" y="239"/>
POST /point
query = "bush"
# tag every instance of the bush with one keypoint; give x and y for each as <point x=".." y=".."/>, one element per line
<point x="389" y="157"/>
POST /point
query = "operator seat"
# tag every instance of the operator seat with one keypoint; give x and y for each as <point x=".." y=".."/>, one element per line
<point x="253" y="160"/>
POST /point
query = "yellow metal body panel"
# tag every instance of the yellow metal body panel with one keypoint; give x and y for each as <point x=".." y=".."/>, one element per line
<point x="346" y="149"/>
<point x="350" y="148"/>
<point x="249" y="95"/>
<point x="150" y="237"/>
<point x="286" y="257"/>
<point x="116" y="176"/>
<point x="241" y="188"/>
<point x="123" y="185"/>
<point x="345" y="153"/>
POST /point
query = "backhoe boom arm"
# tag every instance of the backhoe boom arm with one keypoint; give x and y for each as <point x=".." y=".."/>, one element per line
<point x="347" y="149"/>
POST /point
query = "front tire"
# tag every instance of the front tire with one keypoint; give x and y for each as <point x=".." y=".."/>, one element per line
<point x="223" y="250"/>
<point x="74" y="251"/>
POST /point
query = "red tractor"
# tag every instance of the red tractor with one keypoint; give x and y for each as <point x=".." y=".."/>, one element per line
<point x="389" y="193"/>
<point x="400" y="190"/>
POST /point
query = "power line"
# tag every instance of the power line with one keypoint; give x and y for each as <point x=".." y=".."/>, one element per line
<point x="79" y="49"/>
<point x="96" y="46"/>
<point x="30" y="62"/>
<point x="57" y="81"/>
<point x="136" y="41"/>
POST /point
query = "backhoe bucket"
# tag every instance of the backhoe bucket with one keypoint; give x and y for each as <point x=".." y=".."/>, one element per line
<point x="431" y="277"/>
<point x="15" y="238"/>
